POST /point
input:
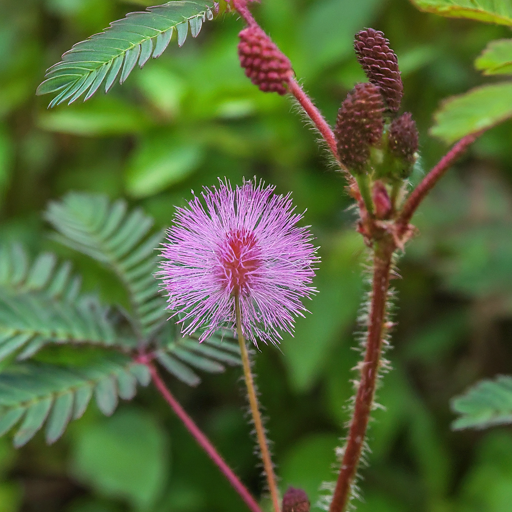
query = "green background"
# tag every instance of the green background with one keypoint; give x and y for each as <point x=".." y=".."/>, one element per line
<point x="191" y="117"/>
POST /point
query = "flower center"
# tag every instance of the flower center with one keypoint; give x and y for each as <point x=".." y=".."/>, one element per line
<point x="240" y="258"/>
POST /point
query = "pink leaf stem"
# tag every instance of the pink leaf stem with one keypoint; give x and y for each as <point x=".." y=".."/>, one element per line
<point x="203" y="441"/>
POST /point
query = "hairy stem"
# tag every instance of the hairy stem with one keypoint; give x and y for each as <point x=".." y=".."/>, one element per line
<point x="203" y="441"/>
<point x="431" y="179"/>
<point x="382" y="257"/>
<point x="243" y="10"/>
<point x="316" y="117"/>
<point x="255" y="411"/>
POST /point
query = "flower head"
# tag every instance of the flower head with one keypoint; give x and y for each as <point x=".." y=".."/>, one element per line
<point x="243" y="242"/>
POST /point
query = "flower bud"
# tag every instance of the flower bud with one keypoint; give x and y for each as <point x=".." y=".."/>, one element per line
<point x="359" y="126"/>
<point x="295" y="500"/>
<point x="262" y="60"/>
<point x="403" y="142"/>
<point x="380" y="65"/>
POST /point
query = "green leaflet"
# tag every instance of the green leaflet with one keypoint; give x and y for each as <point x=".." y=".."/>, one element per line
<point x="40" y="303"/>
<point x="54" y="394"/>
<point x="479" y="109"/>
<point x="489" y="11"/>
<point x="496" y="59"/>
<point x="486" y="404"/>
<point x="121" y="240"/>
<point x="112" y="55"/>
<point x="181" y="356"/>
<point x="19" y="275"/>
<point x="30" y="321"/>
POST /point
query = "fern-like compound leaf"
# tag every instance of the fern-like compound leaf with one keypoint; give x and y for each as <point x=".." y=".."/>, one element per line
<point x="122" y="241"/>
<point x="40" y="304"/>
<point x="486" y="404"/>
<point x="182" y="357"/>
<point x="19" y="275"/>
<point x="34" y="394"/>
<point x="112" y="54"/>
<point x="30" y="321"/>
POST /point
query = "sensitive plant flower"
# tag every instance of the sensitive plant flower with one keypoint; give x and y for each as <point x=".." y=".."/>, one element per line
<point x="243" y="242"/>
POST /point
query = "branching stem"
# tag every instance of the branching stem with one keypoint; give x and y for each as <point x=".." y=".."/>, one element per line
<point x="202" y="440"/>
<point x="383" y="253"/>
<point x="431" y="179"/>
<point x="255" y="411"/>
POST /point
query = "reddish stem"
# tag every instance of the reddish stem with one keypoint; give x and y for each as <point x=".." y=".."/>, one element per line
<point x="369" y="370"/>
<point x="315" y="115"/>
<point x="431" y="179"/>
<point x="243" y="10"/>
<point x="203" y="441"/>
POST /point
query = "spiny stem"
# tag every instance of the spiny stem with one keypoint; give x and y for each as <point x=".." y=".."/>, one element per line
<point x="203" y="441"/>
<point x="431" y="179"/>
<point x="383" y="254"/>
<point x="255" y="411"/>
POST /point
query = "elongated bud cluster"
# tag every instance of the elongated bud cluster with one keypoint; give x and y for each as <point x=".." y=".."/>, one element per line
<point x="380" y="65"/>
<point x="377" y="147"/>
<point x="359" y="126"/>
<point x="403" y="138"/>
<point x="295" y="500"/>
<point x="262" y="60"/>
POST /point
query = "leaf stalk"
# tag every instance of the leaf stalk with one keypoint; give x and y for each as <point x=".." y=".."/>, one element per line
<point x="430" y="180"/>
<point x="203" y="441"/>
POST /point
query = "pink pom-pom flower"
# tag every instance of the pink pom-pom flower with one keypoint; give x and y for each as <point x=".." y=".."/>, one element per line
<point x="243" y="242"/>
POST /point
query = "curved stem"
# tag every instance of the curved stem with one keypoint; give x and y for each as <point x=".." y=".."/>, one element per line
<point x="431" y="179"/>
<point x="255" y="411"/>
<point x="316" y="117"/>
<point x="202" y="440"/>
<point x="369" y="369"/>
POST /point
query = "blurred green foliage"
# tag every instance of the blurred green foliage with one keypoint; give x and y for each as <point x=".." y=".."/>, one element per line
<point x="191" y="117"/>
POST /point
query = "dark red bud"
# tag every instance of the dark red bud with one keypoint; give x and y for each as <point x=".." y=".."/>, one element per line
<point x="359" y="126"/>
<point x="262" y="60"/>
<point x="295" y="500"/>
<point x="380" y="65"/>
<point x="403" y="138"/>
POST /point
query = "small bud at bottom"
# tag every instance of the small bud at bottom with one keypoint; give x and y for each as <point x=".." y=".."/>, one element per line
<point x="295" y="500"/>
